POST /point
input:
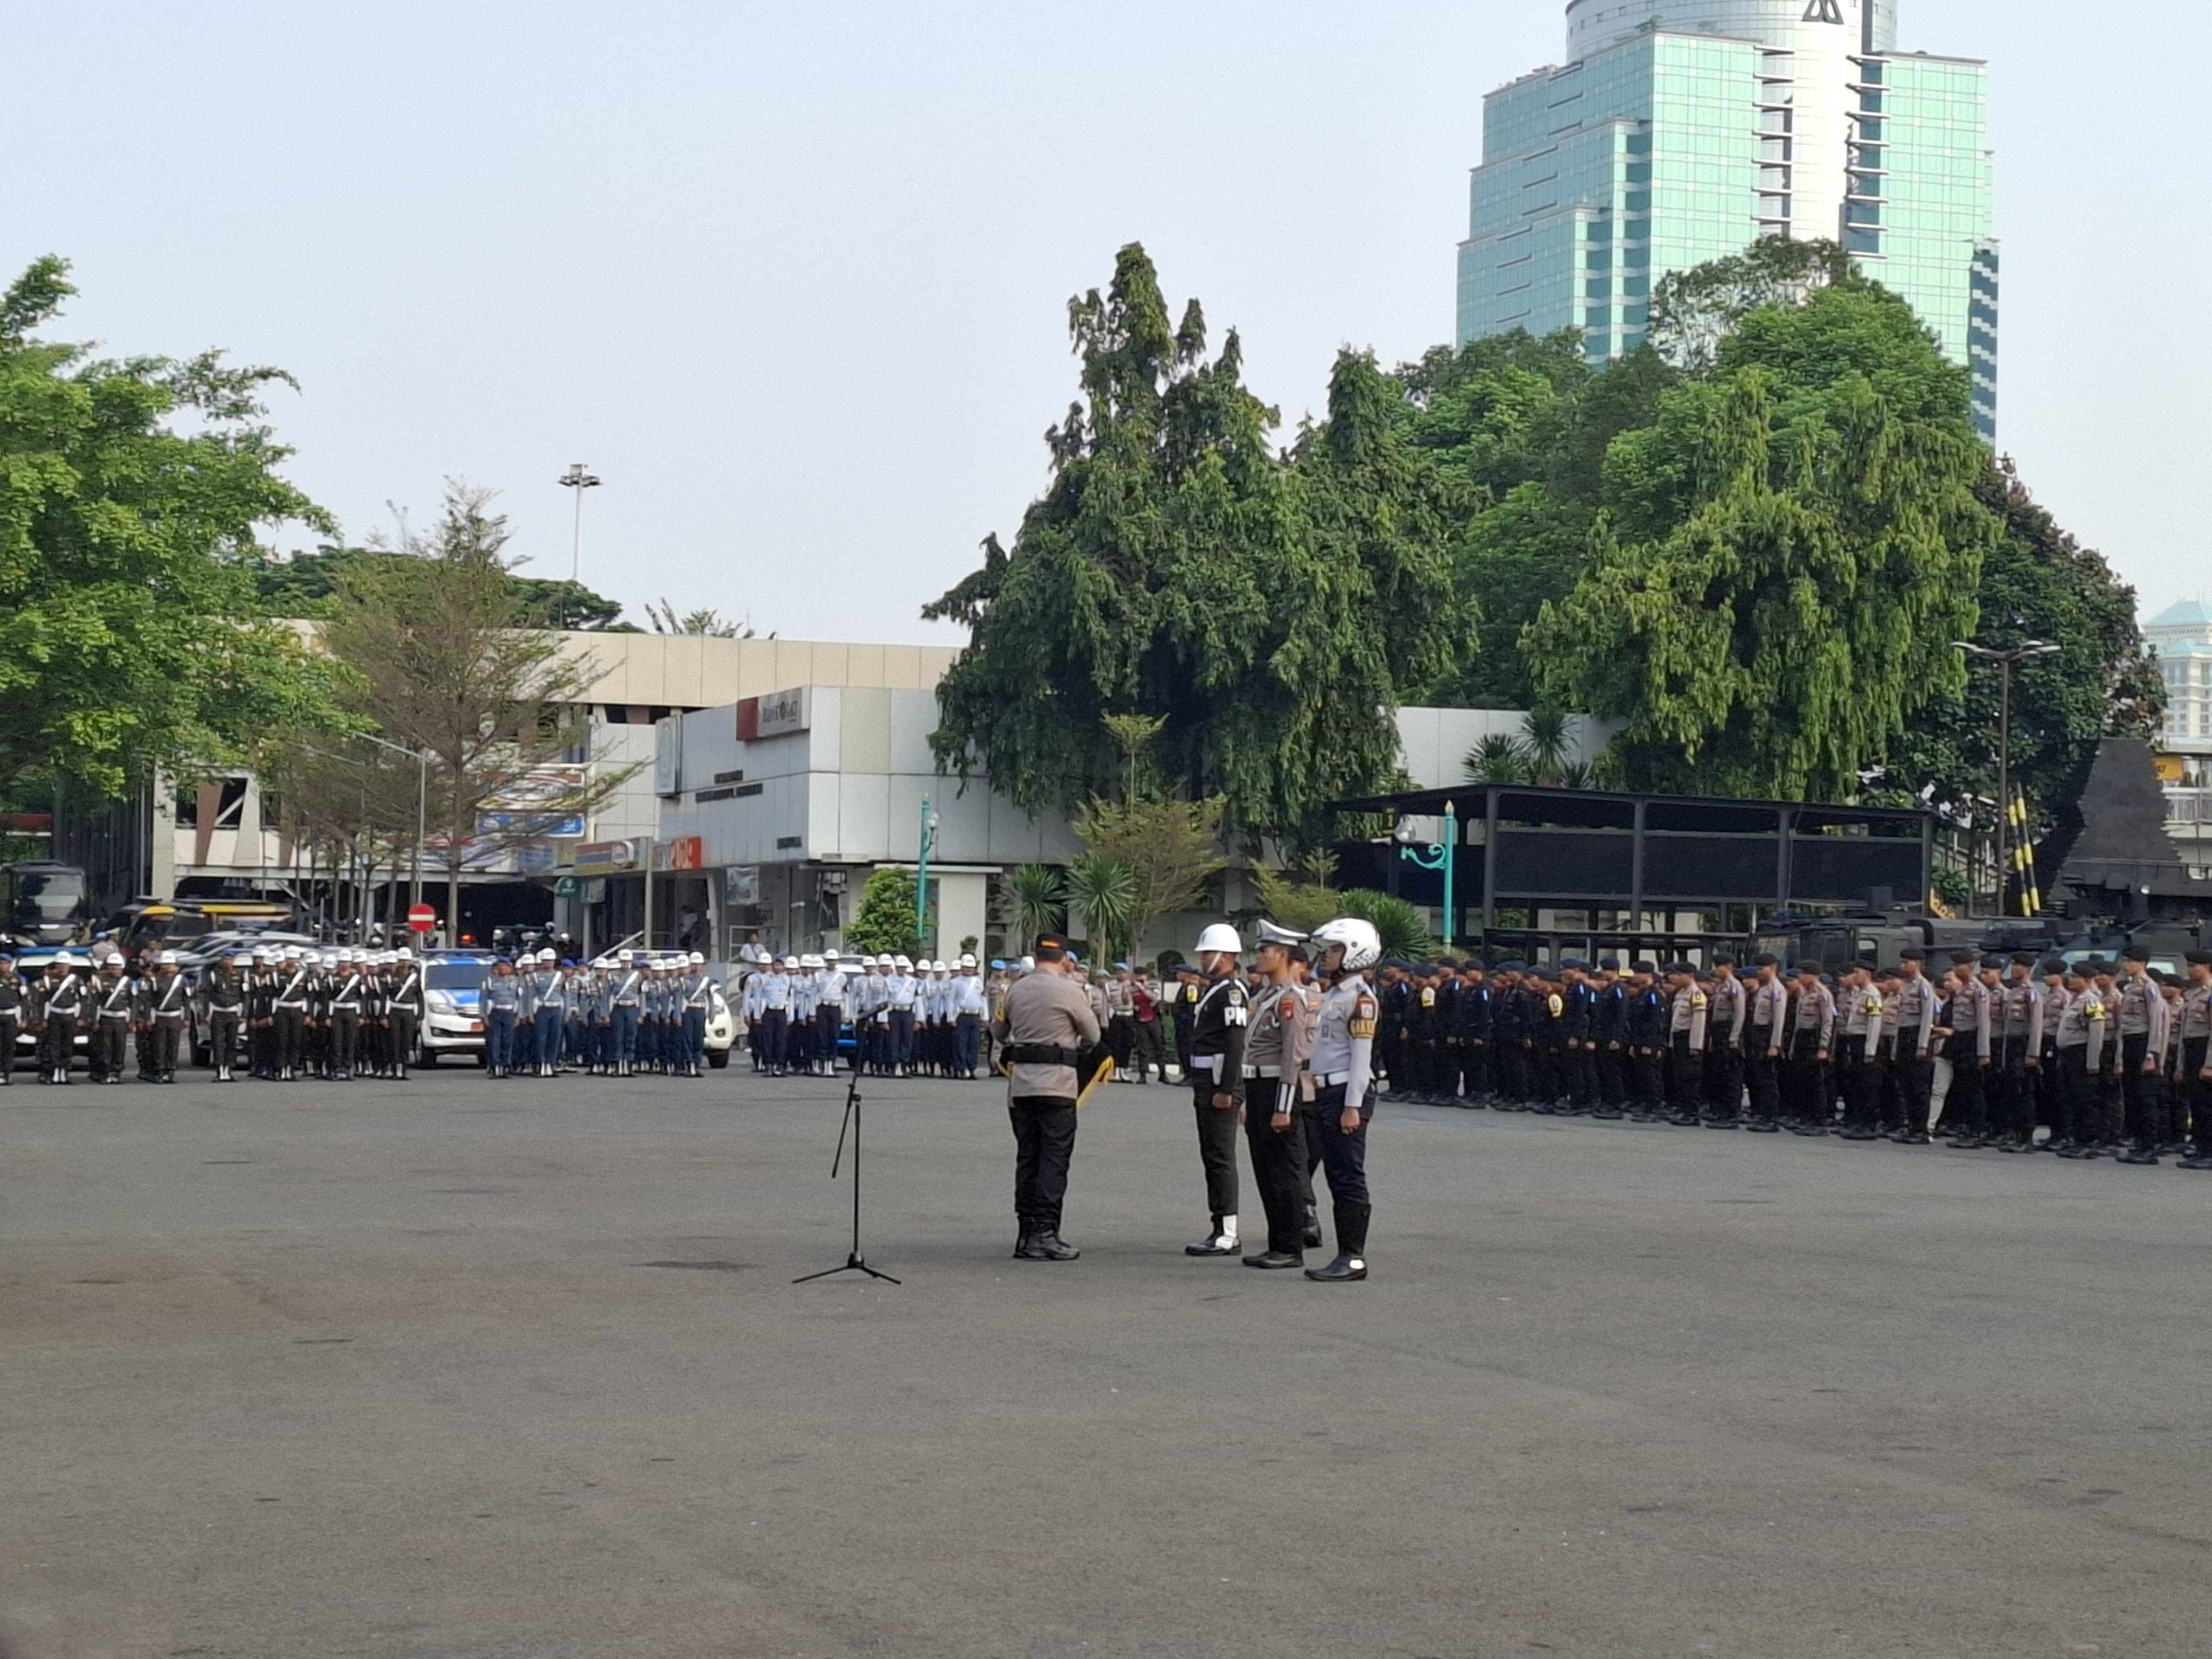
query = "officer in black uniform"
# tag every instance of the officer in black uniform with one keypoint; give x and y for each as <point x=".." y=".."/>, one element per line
<point x="223" y="1000"/>
<point x="1216" y="1067"/>
<point x="11" y="1014"/>
<point x="1473" y="1036"/>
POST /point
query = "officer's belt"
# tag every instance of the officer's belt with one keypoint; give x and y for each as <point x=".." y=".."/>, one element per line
<point x="1042" y="1054"/>
<point x="1263" y="1071"/>
<point x="1332" y="1079"/>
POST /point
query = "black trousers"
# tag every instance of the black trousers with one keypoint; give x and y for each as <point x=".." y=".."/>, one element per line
<point x="401" y="1039"/>
<point x="291" y="1036"/>
<point x="1910" y="1077"/>
<point x="58" y="1045"/>
<point x="223" y="1039"/>
<point x="1647" y="1066"/>
<point x="1966" y="1109"/>
<point x="1217" y="1146"/>
<point x="1723" y="1081"/>
<point x="1689" y="1092"/>
<point x="1857" y="1075"/>
<point x="345" y="1038"/>
<point x="168" y="1045"/>
<point x="11" y="1027"/>
<point x="1344" y="1161"/>
<point x="110" y="1041"/>
<point x="1045" y="1144"/>
<point x="2145" y="1096"/>
<point x="2195" y="1096"/>
<point x="2080" y="1121"/>
<point x="1279" y="1160"/>
<point x="1807" y="1077"/>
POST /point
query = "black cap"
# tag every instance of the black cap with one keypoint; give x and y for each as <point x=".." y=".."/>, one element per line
<point x="1912" y="953"/>
<point x="1961" y="957"/>
<point x="1644" y="966"/>
<point x="1993" y="962"/>
<point x="1050" y="947"/>
<point x="1766" y="959"/>
<point x="1810" y="968"/>
<point x="2136" y="953"/>
<point x="2200" y="959"/>
<point x="1608" y="964"/>
<point x="1724" y="959"/>
<point x="1867" y="962"/>
<point x="2051" y="965"/>
<point x="2023" y="958"/>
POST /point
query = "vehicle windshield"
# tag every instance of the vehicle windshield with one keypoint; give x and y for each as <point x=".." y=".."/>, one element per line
<point x="454" y="975"/>
<point x="51" y="895"/>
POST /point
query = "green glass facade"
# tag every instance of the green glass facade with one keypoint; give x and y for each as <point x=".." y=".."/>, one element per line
<point x="1667" y="148"/>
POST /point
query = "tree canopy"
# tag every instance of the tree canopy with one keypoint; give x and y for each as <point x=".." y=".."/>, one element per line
<point x="307" y="586"/>
<point x="131" y="636"/>
<point x="1269" y="610"/>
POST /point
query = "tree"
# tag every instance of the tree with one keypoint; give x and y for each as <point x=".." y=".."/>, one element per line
<point x="1547" y="738"/>
<point x="1788" y="552"/>
<point x="130" y="635"/>
<point x="1693" y="311"/>
<point x="305" y="586"/>
<point x="885" y="922"/>
<point x="710" y="623"/>
<point x="439" y="659"/>
<point x="1178" y="569"/>
<point x="1035" y="900"/>
<point x="1499" y="757"/>
<point x="2038" y="583"/>
<point x="1104" y="889"/>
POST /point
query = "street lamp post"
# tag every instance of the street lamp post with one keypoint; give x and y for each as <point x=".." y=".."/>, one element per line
<point x="928" y="842"/>
<point x="580" y="479"/>
<point x="2004" y="661"/>
<point x="1436" y="855"/>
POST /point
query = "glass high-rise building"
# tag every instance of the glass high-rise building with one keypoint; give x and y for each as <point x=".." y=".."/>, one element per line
<point x="1682" y="131"/>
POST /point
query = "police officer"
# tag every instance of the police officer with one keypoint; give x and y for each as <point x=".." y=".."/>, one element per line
<point x="289" y="1015"/>
<point x="1728" y="1006"/>
<point x="11" y="1013"/>
<point x="834" y="986"/>
<point x="58" y="1005"/>
<point x="1686" y="1036"/>
<point x="1341" y="1070"/>
<point x="1805" y="1061"/>
<point x="405" y="1006"/>
<point x="1908" y="1026"/>
<point x="2144" y="1033"/>
<point x="970" y="1009"/>
<point x="1219" y="1023"/>
<point x="1277" y="1041"/>
<point x="114" y="1016"/>
<point x="222" y="999"/>
<point x="1042" y="1030"/>
<point x="169" y="1006"/>
<point x="2192" y="1029"/>
<point x="2081" y="1045"/>
<point x="501" y="1002"/>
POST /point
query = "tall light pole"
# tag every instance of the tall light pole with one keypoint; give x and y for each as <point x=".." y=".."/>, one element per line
<point x="921" y="880"/>
<point x="1436" y="855"/>
<point x="2004" y="661"/>
<point x="580" y="479"/>
<point x="422" y="759"/>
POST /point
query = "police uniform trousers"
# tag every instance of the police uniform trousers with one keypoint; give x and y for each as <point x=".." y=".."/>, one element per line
<point x="775" y="1029"/>
<point x="967" y="1044"/>
<point x="1856" y="1072"/>
<point x="403" y="1039"/>
<point x="1217" y="1139"/>
<point x="168" y="1042"/>
<point x="1044" y="1144"/>
<point x="1808" y="1078"/>
<point x="11" y="1028"/>
<point x="1344" y="1162"/>
<point x="222" y="1039"/>
<point x="1964" y="1110"/>
<point x="57" y="1044"/>
<point x="2008" y="1091"/>
<point x="2077" y="1091"/>
<point x="829" y="1025"/>
<point x="499" y="1039"/>
<point x="2196" y="1097"/>
<point x="345" y="1040"/>
<point x="1723" y="1081"/>
<point x="1279" y="1159"/>
<point x="1911" y="1076"/>
<point x="1689" y="1077"/>
<point x="291" y="1028"/>
<point x="109" y="1044"/>
<point x="1764" y="1072"/>
<point x="2145" y="1095"/>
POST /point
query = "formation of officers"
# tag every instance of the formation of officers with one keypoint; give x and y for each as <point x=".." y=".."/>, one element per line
<point x="286" y="1014"/>
<point x="628" y="1014"/>
<point x="1287" y="1053"/>
<point x="2014" y="1054"/>
<point x="909" y="1018"/>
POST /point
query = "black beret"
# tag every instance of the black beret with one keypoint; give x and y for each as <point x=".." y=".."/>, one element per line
<point x="1608" y="964"/>
<point x="1810" y="968"/>
<point x="2023" y="958"/>
<point x="2200" y="959"/>
<point x="1867" y="962"/>
<point x="1766" y="959"/>
<point x="1644" y="967"/>
<point x="1993" y="962"/>
<point x="1912" y="953"/>
<point x="2136" y="953"/>
<point x="1721" y="957"/>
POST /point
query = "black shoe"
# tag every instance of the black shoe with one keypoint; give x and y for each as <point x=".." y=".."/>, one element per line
<point x="1720" y="1123"/>
<point x="2134" y="1155"/>
<point x="1611" y="1114"/>
<point x="1910" y="1138"/>
<point x="1027" y="1249"/>
<point x="1049" y="1246"/>
<point x="2015" y="1145"/>
<point x="1344" y="1269"/>
<point x="1217" y="1243"/>
<point x="2201" y="1161"/>
<point x="1275" y="1259"/>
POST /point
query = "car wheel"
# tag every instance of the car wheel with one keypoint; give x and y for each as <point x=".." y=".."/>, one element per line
<point x="429" y="1058"/>
<point x="717" y="1060"/>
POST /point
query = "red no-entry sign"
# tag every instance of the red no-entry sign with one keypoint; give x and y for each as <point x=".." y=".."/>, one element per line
<point x="422" y="918"/>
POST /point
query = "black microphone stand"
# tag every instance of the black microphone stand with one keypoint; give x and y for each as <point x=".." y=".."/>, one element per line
<point x="855" y="1262"/>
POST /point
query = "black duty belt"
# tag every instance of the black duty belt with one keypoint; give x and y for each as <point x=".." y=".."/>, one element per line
<point x="1042" y="1054"/>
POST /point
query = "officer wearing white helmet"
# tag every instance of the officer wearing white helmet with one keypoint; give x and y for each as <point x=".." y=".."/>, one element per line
<point x="698" y="994"/>
<point x="971" y="1007"/>
<point x="806" y="1002"/>
<point x="1217" y="1074"/>
<point x="1342" y="1067"/>
<point x="900" y="996"/>
<point x="832" y="986"/>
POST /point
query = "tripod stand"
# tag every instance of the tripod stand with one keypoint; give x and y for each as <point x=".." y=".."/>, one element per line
<point x="854" y="1263"/>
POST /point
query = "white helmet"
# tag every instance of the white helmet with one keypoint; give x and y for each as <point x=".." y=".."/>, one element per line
<point x="1219" y="937"/>
<point x="967" y="958"/>
<point x="627" y="955"/>
<point x="810" y="960"/>
<point x="167" y="959"/>
<point x="1363" y="945"/>
<point x="697" y="960"/>
<point x="902" y="964"/>
<point x="546" y="955"/>
<point x="405" y="954"/>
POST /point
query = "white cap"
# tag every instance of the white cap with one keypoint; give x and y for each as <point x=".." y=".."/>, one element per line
<point x="810" y="960"/>
<point x="627" y="955"/>
<point x="697" y="960"/>
<point x="967" y="958"/>
<point x="405" y="954"/>
<point x="828" y="956"/>
<point x="548" y="954"/>
<point x="901" y="962"/>
<point x="167" y="959"/>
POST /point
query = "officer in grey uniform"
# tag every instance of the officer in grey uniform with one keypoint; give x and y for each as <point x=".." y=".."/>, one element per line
<point x="1341" y="1100"/>
<point x="1909" y="1024"/>
<point x="2193" y="1036"/>
<point x="1277" y="1041"/>
<point x="1042" y="1031"/>
<point x="1217" y="1062"/>
<point x="2144" y="1032"/>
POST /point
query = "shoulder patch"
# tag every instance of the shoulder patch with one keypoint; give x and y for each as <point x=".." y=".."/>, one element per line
<point x="1696" y="998"/>
<point x="1362" y="1023"/>
<point x="1288" y="1008"/>
<point x="1428" y="996"/>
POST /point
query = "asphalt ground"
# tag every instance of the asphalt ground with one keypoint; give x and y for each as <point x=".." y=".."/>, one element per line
<point x="458" y="1368"/>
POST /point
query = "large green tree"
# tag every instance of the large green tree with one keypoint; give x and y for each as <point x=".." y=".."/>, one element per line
<point x="131" y="637"/>
<point x="2038" y="584"/>
<point x="1787" y="554"/>
<point x="1267" y="612"/>
<point x="307" y="585"/>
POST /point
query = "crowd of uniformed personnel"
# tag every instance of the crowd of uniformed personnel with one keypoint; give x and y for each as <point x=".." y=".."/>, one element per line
<point x="284" y="1014"/>
<point x="627" y="1014"/>
<point x="909" y="1018"/>
<point x="2013" y="1053"/>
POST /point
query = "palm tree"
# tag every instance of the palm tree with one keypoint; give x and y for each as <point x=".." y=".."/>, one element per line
<point x="1497" y="759"/>
<point x="1547" y="737"/>
<point x="1036" y="898"/>
<point x="1107" y="891"/>
<point x="1398" y="920"/>
<point x="1576" y="775"/>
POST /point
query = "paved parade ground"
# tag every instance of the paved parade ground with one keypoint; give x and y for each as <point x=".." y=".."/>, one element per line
<point x="453" y="1368"/>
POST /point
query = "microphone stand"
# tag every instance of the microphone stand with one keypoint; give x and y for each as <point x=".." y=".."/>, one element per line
<point x="855" y="1262"/>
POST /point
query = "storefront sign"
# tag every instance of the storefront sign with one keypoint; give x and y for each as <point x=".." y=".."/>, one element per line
<point x="778" y="714"/>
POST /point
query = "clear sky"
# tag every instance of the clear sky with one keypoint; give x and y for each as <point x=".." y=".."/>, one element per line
<point x="793" y="278"/>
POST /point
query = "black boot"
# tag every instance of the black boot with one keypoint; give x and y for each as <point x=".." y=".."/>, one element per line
<point x="1052" y="1248"/>
<point x="1311" y="1237"/>
<point x="1351" y="1261"/>
<point x="1222" y="1241"/>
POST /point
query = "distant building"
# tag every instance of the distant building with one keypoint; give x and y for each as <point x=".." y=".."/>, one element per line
<point x="2182" y="636"/>
<point x="1682" y="131"/>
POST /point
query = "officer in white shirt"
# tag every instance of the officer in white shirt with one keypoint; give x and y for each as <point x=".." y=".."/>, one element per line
<point x="831" y="990"/>
<point x="775" y="1016"/>
<point x="970" y="1007"/>
<point x="900" y="992"/>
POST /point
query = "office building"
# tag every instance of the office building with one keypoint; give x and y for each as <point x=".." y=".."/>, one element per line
<point x="2182" y="636"/>
<point x="1680" y="131"/>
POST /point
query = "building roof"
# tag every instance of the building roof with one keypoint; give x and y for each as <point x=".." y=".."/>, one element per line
<point x="2188" y="613"/>
<point x="2183" y="648"/>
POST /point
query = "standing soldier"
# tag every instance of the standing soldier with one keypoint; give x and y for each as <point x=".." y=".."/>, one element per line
<point x="2081" y="1045"/>
<point x="405" y="1008"/>
<point x="1858" y="1062"/>
<point x="58" y="1005"/>
<point x="549" y="1009"/>
<point x="169" y="1006"/>
<point x="1276" y="1043"/>
<point x="698" y="994"/>
<point x="829" y="1011"/>
<point x="1042" y="1030"/>
<point x="114" y="1017"/>
<point x="1216" y="1067"/>
<point x="348" y="993"/>
<point x="1765" y="1029"/>
<point x="2193" y="1037"/>
<point x="1966" y="1045"/>
<point x="500" y="1001"/>
<point x="1183" y="1005"/>
<point x="970" y="1009"/>
<point x="2144" y="1025"/>
<point x="1725" y="1017"/>
<point x="624" y="996"/>
<point x="1686" y="1036"/>
<point x="222" y="1009"/>
<point x="289" y="1014"/>
<point x="1812" y="1040"/>
<point x="11" y="1013"/>
<point x="1341" y="1067"/>
<point x="1909" y="1024"/>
